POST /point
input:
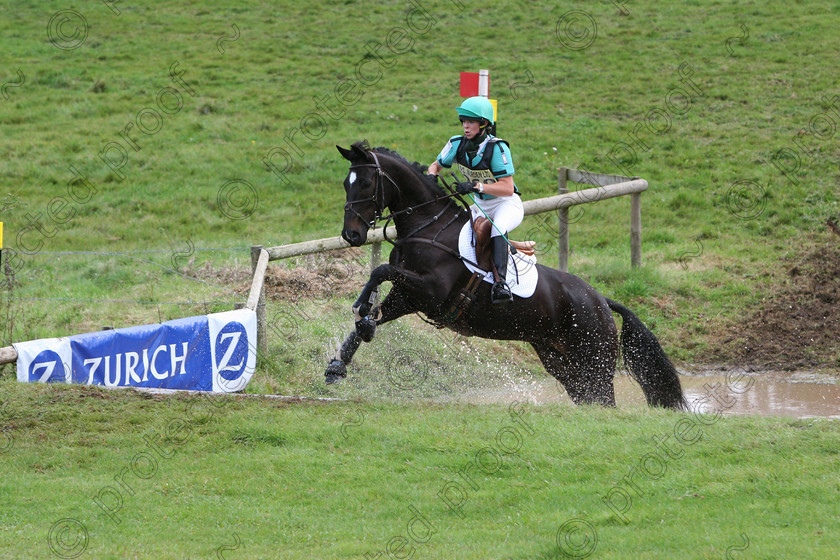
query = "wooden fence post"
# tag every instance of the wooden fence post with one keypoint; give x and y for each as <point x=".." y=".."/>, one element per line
<point x="563" y="217"/>
<point x="636" y="230"/>
<point x="262" y="343"/>
<point x="375" y="255"/>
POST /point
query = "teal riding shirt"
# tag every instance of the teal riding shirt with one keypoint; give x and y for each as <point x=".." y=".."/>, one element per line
<point x="485" y="166"/>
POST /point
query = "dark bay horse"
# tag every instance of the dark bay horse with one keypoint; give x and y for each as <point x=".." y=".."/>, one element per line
<point x="567" y="322"/>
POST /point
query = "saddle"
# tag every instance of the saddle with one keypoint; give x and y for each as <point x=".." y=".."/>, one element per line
<point x="483" y="229"/>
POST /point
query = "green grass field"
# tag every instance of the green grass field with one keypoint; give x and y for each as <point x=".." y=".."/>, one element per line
<point x="123" y="475"/>
<point x="144" y="147"/>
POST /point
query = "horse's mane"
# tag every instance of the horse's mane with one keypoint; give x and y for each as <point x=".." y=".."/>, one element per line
<point x="416" y="167"/>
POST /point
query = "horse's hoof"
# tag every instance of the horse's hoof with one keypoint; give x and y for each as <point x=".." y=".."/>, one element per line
<point x="366" y="328"/>
<point x="336" y="371"/>
<point x="332" y="379"/>
<point x="361" y="309"/>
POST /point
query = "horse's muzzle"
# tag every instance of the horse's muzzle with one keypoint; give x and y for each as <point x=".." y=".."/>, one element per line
<point x="353" y="237"/>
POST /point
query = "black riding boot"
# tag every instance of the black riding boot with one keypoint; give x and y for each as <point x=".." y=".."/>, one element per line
<point x="500" y="292"/>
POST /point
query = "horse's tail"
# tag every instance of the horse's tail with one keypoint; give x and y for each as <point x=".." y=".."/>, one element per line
<point x="647" y="362"/>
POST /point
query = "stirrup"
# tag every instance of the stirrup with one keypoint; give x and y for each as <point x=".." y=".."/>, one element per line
<point x="500" y="293"/>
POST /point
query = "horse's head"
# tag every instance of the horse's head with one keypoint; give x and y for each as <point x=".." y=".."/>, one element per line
<point x="380" y="178"/>
<point x="365" y="194"/>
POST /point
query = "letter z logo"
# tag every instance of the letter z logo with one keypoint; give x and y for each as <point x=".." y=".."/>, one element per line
<point x="232" y="345"/>
<point x="47" y="367"/>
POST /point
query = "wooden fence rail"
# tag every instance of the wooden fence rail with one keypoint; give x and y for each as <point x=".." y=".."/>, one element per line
<point x="8" y="354"/>
<point x="627" y="186"/>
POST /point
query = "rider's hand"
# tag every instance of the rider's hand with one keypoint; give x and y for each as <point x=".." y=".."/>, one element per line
<point x="466" y="187"/>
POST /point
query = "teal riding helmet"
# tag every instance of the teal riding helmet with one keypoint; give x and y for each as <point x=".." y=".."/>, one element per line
<point x="477" y="107"/>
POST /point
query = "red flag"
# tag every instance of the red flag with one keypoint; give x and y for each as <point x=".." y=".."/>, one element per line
<point x="469" y="84"/>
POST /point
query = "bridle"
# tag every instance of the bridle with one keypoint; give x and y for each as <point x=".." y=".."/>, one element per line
<point x="378" y="196"/>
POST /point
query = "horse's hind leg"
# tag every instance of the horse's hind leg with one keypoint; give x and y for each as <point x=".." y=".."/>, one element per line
<point x="587" y="381"/>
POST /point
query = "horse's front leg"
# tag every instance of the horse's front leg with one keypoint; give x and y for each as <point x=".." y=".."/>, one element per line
<point x="369" y="316"/>
<point x="337" y="368"/>
<point x="366" y="300"/>
<point x="366" y="309"/>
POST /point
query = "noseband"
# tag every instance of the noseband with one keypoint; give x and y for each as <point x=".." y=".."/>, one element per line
<point x="378" y="197"/>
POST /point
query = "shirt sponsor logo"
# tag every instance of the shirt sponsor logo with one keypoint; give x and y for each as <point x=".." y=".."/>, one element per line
<point x="481" y="175"/>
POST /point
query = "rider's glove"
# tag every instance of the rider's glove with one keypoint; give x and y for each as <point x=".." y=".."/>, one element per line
<point x="466" y="187"/>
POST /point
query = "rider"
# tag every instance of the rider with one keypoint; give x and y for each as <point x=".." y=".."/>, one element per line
<point x="487" y="164"/>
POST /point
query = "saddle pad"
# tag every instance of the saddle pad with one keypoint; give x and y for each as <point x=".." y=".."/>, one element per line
<point x="522" y="272"/>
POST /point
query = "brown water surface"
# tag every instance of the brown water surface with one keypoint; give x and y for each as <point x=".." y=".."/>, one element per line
<point x="800" y="395"/>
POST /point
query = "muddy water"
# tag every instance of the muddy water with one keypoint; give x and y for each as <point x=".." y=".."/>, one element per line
<point x="801" y="395"/>
<point x="767" y="395"/>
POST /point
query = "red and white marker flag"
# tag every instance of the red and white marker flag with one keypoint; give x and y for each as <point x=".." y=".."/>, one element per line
<point x="477" y="83"/>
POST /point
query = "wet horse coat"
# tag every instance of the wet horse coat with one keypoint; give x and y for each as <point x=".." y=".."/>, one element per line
<point x="566" y="321"/>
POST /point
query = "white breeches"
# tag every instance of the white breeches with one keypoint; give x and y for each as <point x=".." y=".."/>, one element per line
<point x="505" y="211"/>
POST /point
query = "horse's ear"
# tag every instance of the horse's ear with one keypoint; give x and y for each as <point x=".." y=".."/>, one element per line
<point x="360" y="153"/>
<point x="348" y="154"/>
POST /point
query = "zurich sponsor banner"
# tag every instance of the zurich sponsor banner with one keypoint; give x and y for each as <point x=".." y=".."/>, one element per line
<point x="44" y="361"/>
<point x="215" y="352"/>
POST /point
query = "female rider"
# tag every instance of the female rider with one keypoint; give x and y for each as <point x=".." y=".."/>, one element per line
<point x="487" y="164"/>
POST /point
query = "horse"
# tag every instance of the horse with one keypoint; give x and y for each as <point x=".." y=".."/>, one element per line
<point x="567" y="322"/>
